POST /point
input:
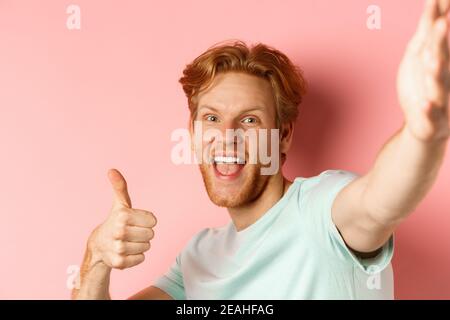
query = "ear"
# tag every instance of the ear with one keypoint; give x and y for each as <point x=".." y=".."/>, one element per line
<point x="191" y="131"/>
<point x="286" y="136"/>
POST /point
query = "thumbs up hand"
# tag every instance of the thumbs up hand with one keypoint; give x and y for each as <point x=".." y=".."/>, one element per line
<point x="120" y="242"/>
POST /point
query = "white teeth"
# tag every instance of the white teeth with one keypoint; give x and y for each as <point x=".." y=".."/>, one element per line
<point x="229" y="160"/>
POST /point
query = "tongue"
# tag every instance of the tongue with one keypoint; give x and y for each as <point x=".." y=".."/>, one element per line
<point x="228" y="169"/>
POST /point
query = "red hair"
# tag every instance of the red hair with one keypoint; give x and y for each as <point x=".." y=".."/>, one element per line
<point x="260" y="60"/>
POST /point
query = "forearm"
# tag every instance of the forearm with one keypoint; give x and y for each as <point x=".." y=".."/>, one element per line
<point x="94" y="279"/>
<point x="403" y="172"/>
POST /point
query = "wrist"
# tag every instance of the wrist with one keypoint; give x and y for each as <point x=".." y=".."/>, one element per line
<point x="434" y="141"/>
<point x="429" y="136"/>
<point x="95" y="257"/>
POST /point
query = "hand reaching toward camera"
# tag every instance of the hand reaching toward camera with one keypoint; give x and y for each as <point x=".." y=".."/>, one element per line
<point x="423" y="81"/>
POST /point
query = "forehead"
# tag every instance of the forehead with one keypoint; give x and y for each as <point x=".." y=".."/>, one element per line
<point x="237" y="90"/>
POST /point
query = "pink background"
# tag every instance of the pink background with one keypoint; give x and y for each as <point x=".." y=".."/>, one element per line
<point x="75" y="103"/>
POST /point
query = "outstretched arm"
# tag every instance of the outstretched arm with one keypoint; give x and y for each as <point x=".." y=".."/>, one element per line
<point x="368" y="210"/>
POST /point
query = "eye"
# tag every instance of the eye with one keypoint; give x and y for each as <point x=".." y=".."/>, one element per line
<point x="250" y="120"/>
<point x="211" y="118"/>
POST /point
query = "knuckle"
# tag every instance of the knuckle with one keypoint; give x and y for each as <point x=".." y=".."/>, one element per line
<point x="120" y="247"/>
<point x="123" y="217"/>
<point x="120" y="233"/>
<point x="118" y="262"/>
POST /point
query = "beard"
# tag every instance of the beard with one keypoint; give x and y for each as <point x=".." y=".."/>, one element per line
<point x="247" y="188"/>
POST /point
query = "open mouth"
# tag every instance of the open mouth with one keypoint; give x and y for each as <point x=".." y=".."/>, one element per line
<point x="228" y="167"/>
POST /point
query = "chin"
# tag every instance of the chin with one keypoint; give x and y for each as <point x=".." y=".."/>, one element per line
<point x="231" y="191"/>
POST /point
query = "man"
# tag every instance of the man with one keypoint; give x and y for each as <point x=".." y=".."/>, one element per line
<point x="324" y="237"/>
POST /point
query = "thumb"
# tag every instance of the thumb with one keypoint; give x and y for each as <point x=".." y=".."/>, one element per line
<point x="119" y="185"/>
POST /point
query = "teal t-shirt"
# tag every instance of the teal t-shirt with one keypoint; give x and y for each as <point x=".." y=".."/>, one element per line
<point x="294" y="251"/>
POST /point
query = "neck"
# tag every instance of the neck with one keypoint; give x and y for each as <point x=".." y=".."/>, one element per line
<point x="245" y="215"/>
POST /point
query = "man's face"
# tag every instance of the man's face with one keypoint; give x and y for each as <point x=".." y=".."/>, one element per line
<point x="234" y="101"/>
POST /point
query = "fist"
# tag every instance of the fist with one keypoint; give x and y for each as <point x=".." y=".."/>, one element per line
<point x="120" y="242"/>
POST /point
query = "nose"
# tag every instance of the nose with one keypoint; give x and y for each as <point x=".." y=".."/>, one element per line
<point x="231" y="132"/>
<point x="230" y="136"/>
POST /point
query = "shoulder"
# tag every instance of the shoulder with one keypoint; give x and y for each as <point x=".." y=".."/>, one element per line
<point x="321" y="189"/>
<point x="328" y="179"/>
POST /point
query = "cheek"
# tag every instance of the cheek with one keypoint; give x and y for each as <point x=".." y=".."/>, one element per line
<point x="264" y="143"/>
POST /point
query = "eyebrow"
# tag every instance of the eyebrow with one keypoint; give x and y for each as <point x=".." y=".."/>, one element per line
<point x="254" y="108"/>
<point x="208" y="107"/>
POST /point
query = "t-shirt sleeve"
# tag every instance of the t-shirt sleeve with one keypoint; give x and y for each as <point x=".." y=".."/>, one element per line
<point x="172" y="281"/>
<point x="316" y="202"/>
